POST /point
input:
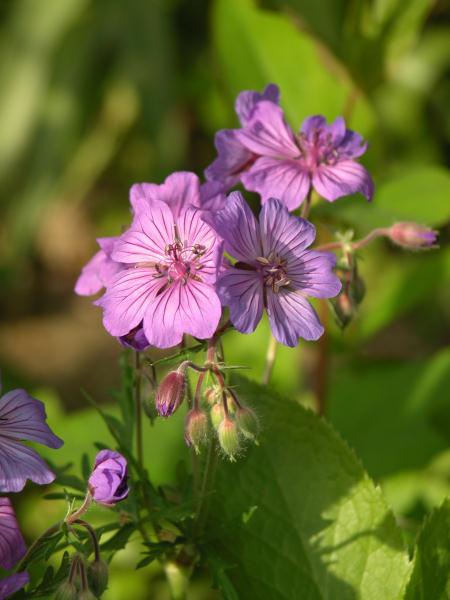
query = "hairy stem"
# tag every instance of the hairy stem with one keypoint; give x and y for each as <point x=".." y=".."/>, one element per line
<point x="270" y="359"/>
<point x="321" y="368"/>
<point x="92" y="534"/>
<point x="370" y="237"/>
<point x="138" y="406"/>
<point x="306" y="205"/>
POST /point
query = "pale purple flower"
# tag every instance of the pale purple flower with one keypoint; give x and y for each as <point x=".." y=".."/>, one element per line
<point x="234" y="158"/>
<point x="96" y="274"/>
<point x="169" y="285"/>
<point x="274" y="270"/>
<point x="288" y="164"/>
<point x="12" y="584"/>
<point x="23" y="418"/>
<point x="108" y="483"/>
<point x="12" y="544"/>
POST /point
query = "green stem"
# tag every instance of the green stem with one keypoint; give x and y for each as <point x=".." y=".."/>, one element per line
<point x="270" y="359"/>
<point x="48" y="533"/>
<point x="138" y="403"/>
<point x="178" y="579"/>
<point x="203" y="501"/>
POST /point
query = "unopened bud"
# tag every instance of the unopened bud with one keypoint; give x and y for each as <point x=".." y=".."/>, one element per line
<point x="170" y="393"/>
<point x="217" y="415"/>
<point x="247" y="422"/>
<point x="344" y="309"/>
<point x="412" y="235"/>
<point x="196" y="428"/>
<point x="213" y="394"/>
<point x="86" y="595"/>
<point x="67" y="591"/>
<point x="98" y="571"/>
<point x="228" y="435"/>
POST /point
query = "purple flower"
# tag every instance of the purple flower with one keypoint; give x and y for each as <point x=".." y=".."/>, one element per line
<point x="274" y="270"/>
<point x="12" y="544"/>
<point x="23" y="418"/>
<point x="97" y="273"/>
<point x="169" y="285"/>
<point x="170" y="393"/>
<point x="288" y="164"/>
<point x="108" y="483"/>
<point x="10" y="585"/>
<point x="135" y="339"/>
<point x="234" y="158"/>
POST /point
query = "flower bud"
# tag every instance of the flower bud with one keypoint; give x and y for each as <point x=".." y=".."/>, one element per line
<point x="108" y="481"/>
<point x="85" y="595"/>
<point x="213" y="394"/>
<point x="98" y="571"/>
<point x="217" y="415"/>
<point x="344" y="309"/>
<point x="67" y="591"/>
<point x="170" y="393"/>
<point x="412" y="235"/>
<point x="196" y="428"/>
<point x="247" y="423"/>
<point x="228" y="435"/>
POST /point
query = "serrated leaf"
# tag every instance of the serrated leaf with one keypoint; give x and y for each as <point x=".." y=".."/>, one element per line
<point x="431" y="574"/>
<point x="322" y="530"/>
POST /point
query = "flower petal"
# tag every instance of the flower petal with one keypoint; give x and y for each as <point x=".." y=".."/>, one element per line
<point x="267" y="133"/>
<point x="284" y="179"/>
<point x="242" y="292"/>
<point x="192" y="308"/>
<point x="233" y="159"/>
<point x="291" y="316"/>
<point x="152" y="229"/>
<point x="246" y="101"/>
<point x="282" y="233"/>
<point x="212" y="195"/>
<point x="179" y="189"/>
<point x="23" y="418"/>
<point x="237" y="226"/>
<point x="19" y="463"/>
<point x="10" y="585"/>
<point x="312" y="274"/>
<point x="126" y="300"/>
<point x="311" y="124"/>
<point x="352" y="145"/>
<point x="342" y="179"/>
<point x="12" y="544"/>
<point x="96" y="274"/>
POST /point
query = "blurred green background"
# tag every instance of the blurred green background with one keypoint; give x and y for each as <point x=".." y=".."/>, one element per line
<point x="97" y="95"/>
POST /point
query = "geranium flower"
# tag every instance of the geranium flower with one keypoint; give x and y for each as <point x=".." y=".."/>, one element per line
<point x="23" y="418"/>
<point x="12" y="584"/>
<point x="169" y="283"/>
<point x="288" y="164"/>
<point x="108" y="482"/>
<point x="274" y="270"/>
<point x="12" y="544"/>
<point x="100" y="269"/>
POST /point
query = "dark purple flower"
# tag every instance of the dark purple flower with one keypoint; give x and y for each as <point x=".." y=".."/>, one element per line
<point x="97" y="273"/>
<point x="23" y="418"/>
<point x="135" y="339"/>
<point x="412" y="235"/>
<point x="12" y="544"/>
<point x="234" y="158"/>
<point x="12" y="584"/>
<point x="274" y="270"/>
<point x="169" y="283"/>
<point x="108" y="483"/>
<point x="170" y="392"/>
<point x="288" y="164"/>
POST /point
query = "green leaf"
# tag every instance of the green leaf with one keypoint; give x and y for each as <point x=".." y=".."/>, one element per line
<point x="321" y="528"/>
<point x="256" y="47"/>
<point x="431" y="574"/>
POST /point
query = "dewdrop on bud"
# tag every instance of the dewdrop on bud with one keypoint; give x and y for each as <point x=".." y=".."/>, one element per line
<point x="412" y="235"/>
<point x="247" y="422"/>
<point x="228" y="435"/>
<point x="98" y="571"/>
<point x="217" y="415"/>
<point x="196" y="428"/>
<point x="67" y="591"/>
<point x="171" y="391"/>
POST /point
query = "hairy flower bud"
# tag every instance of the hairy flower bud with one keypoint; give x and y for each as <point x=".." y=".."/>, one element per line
<point x="213" y="394"/>
<point x="196" y="428"/>
<point x="217" y="415"/>
<point x="247" y="423"/>
<point x="67" y="591"/>
<point x="412" y="235"/>
<point x="170" y="393"/>
<point x="98" y="571"/>
<point x="228" y="435"/>
<point x="344" y="309"/>
<point x="108" y="481"/>
<point x="85" y="595"/>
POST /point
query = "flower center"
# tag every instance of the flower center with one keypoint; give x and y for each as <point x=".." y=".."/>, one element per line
<point x="181" y="262"/>
<point x="274" y="271"/>
<point x="316" y="150"/>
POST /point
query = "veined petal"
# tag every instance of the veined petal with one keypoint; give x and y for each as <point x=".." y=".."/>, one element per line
<point x="312" y="274"/>
<point x="12" y="544"/>
<point x="127" y="299"/>
<point x="342" y="179"/>
<point x="352" y="145"/>
<point x="242" y="292"/>
<point x="212" y="195"/>
<point x="247" y="100"/>
<point x="237" y="226"/>
<point x="311" y="124"/>
<point x="284" y="179"/>
<point x="282" y="233"/>
<point x="96" y="274"/>
<point x="152" y="229"/>
<point x="291" y="317"/>
<point x="19" y="463"/>
<point x="12" y="584"/>
<point x="232" y="160"/>
<point x="267" y="134"/>
<point x="192" y="308"/>
<point x="23" y="418"/>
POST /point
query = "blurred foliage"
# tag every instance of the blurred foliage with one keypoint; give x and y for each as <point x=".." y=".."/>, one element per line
<point x="97" y="95"/>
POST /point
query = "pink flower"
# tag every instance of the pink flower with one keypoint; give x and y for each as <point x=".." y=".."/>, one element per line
<point x="96" y="274"/>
